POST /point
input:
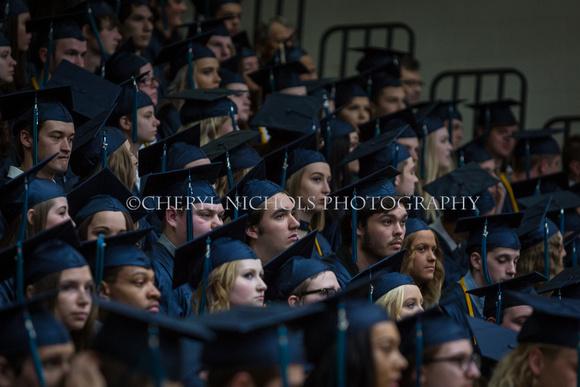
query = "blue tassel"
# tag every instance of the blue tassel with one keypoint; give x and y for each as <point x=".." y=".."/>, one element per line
<point x="104" y="155"/>
<point x="117" y="8"/>
<point x="328" y="139"/>
<point x="23" y="220"/>
<point x="487" y="121"/>
<point x="562" y="218"/>
<point x="546" y="251"/>
<point x="326" y="103"/>
<point x="574" y="256"/>
<point x="207" y="15"/>
<point x="423" y="152"/>
<point x="354" y="225"/>
<point x="153" y="344"/>
<point x="6" y="12"/>
<point x="527" y="159"/>
<point x="498" y="306"/>
<point x="33" y="347"/>
<point x="135" y="104"/>
<point x="96" y="33"/>
<point x="19" y="272"/>
<point x="419" y="348"/>
<point x="229" y="168"/>
<point x="35" y="130"/>
<point x="100" y="262"/>
<point x="48" y="54"/>
<point x="236" y="206"/>
<point x="189" y="211"/>
<point x="272" y="82"/>
<point x="164" y="158"/>
<point x="484" y="253"/>
<point x="206" y="271"/>
<point x="103" y="70"/>
<point x="342" y="326"/>
<point x="284" y="348"/>
<point x="377" y="127"/>
<point x="537" y="189"/>
<point x="164" y="15"/>
<point x="232" y="116"/>
<point x="450" y="125"/>
<point x="395" y="160"/>
<point x="284" y="168"/>
<point x="190" y="66"/>
<point x="462" y="159"/>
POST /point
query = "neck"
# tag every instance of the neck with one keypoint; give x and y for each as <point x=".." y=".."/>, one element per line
<point x="261" y="251"/>
<point x="159" y="25"/>
<point x="450" y="229"/>
<point x="135" y="147"/>
<point x="363" y="260"/>
<point x="479" y="278"/>
<point x="92" y="60"/>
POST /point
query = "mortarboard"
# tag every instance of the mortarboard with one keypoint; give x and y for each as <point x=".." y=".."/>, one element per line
<point x="321" y="87"/>
<point x="279" y="77"/>
<point x="376" y="56"/>
<point x="496" y="300"/>
<point x="207" y="26"/>
<point x="540" y="185"/>
<point x="367" y="150"/>
<point x="536" y="142"/>
<point x="472" y="151"/>
<point x="393" y="154"/>
<point x="151" y="341"/>
<point x="208" y="8"/>
<point x="443" y="110"/>
<point x="381" y="80"/>
<point x="201" y="104"/>
<point x="562" y="208"/>
<point x="301" y="157"/>
<point x="158" y="158"/>
<point x="123" y="65"/>
<point x="101" y="192"/>
<point x="495" y="112"/>
<point x="229" y="77"/>
<point x="348" y="88"/>
<point x="4" y="42"/>
<point x="412" y="225"/>
<point x="570" y="242"/>
<point x="564" y="284"/>
<point x="291" y="267"/>
<point x="277" y="161"/>
<point x="491" y="231"/>
<point x="94" y="143"/>
<point x="11" y="8"/>
<point x="402" y="122"/>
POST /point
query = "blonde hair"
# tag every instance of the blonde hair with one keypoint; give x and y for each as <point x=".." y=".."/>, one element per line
<point x="209" y="128"/>
<point x="432" y="171"/>
<point x="293" y="188"/>
<point x="121" y="164"/>
<point x="223" y="186"/>
<point x="430" y="290"/>
<point x="513" y="370"/>
<point x="220" y="284"/>
<point x="38" y="218"/>
<point x="392" y="302"/>
<point x="532" y="258"/>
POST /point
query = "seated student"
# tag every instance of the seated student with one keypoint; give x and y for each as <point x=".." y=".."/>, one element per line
<point x="124" y="65"/>
<point x="547" y="351"/>
<point x="447" y="357"/>
<point x="350" y="92"/>
<point x="423" y="260"/>
<point x="128" y="276"/>
<point x="492" y="258"/>
<point x="367" y="332"/>
<point x="136" y="18"/>
<point x="7" y="64"/>
<point x="52" y="263"/>
<point x="388" y="94"/>
<point x="446" y="110"/>
<point x="512" y="312"/>
<point x="411" y="79"/>
<point x="297" y="53"/>
<point x="380" y="221"/>
<point x="282" y="78"/>
<point x="100" y="205"/>
<point x="54" y="123"/>
<point x="220" y="42"/>
<point x="278" y="31"/>
<point x="343" y="139"/>
<point x="107" y="28"/>
<point x="571" y="159"/>
<point x="180" y="225"/>
<point x="295" y="278"/>
<point x="223" y="270"/>
<point x="168" y="19"/>
<point x="53" y="341"/>
<point x="233" y="81"/>
<point x="68" y="43"/>
<point x="15" y="32"/>
<point x="543" y="157"/>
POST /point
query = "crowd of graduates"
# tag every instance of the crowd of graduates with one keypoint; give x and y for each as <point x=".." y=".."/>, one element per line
<point x="181" y="206"/>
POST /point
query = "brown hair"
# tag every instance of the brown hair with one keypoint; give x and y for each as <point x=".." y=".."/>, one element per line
<point x="39" y="216"/>
<point x="532" y="258"/>
<point x="293" y="188"/>
<point x="121" y="164"/>
<point x="223" y="186"/>
<point x="520" y="162"/>
<point x="431" y="290"/>
<point x="220" y="283"/>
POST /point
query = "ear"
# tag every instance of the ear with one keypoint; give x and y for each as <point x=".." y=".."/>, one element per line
<point x="87" y="31"/>
<point x="241" y="379"/>
<point x="30" y="216"/>
<point x="359" y="229"/>
<point x="397" y="181"/>
<point x="252" y="232"/>
<point x="536" y="361"/>
<point x="125" y="123"/>
<point x="30" y="291"/>
<point x="475" y="260"/>
<point x="293" y="301"/>
<point x="26" y="139"/>
<point x="7" y="375"/>
<point x="172" y="217"/>
<point x="42" y="54"/>
<point x="574" y="166"/>
<point x="491" y="320"/>
<point x="105" y="291"/>
<point x="542" y="166"/>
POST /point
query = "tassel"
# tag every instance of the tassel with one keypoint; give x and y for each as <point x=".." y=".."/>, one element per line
<point x="164" y="15"/>
<point x="206" y="271"/>
<point x="232" y="116"/>
<point x="229" y="168"/>
<point x="354" y="225"/>
<point x="284" y="168"/>
<point x="100" y="262"/>
<point x="153" y="344"/>
<point x="236" y="206"/>
<point x="528" y="159"/>
<point x="342" y="327"/>
<point x="104" y="151"/>
<point x="574" y="256"/>
<point x="272" y="82"/>
<point x="562" y="218"/>
<point x="377" y="127"/>
<point x="546" y="251"/>
<point x="189" y="211"/>
<point x="35" y="130"/>
<point x="33" y="347"/>
<point x="135" y="104"/>
<point x="498" y="309"/>
<point x="419" y="348"/>
<point x="423" y="152"/>
<point x="450" y="124"/>
<point x="190" y="66"/>
<point x="462" y="159"/>
<point x="484" y="253"/>
<point x="117" y="8"/>
<point x="284" y="348"/>
<point x="48" y="54"/>
<point x="6" y="12"/>
<point x="104" y="55"/>
<point x="164" y="158"/>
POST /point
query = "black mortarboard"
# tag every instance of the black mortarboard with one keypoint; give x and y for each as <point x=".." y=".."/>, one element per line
<point x="412" y="225"/>
<point x="348" y="88"/>
<point x="536" y="228"/>
<point x="228" y="77"/>
<point x="154" y="158"/>
<point x="277" y="161"/>
<point x="564" y="284"/>
<point x="123" y="65"/>
<point x="185" y="52"/>
<point x="208" y="8"/>
<point x="207" y="26"/>
<point x="535" y="142"/>
<point x="495" y="112"/>
<point x="402" y="122"/>
<point x="562" y="208"/>
<point x="540" y="185"/>
<point x="376" y="56"/>
<point x="279" y="77"/>
<point x="493" y="341"/>
<point x="472" y="151"/>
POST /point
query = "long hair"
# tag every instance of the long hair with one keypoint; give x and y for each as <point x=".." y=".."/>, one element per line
<point x="431" y="290"/>
<point x="532" y="258"/>
<point x="432" y="170"/>
<point x="223" y="186"/>
<point x="121" y="164"/>
<point x="81" y="338"/>
<point x="220" y="284"/>
<point x="392" y="302"/>
<point x="83" y="228"/>
<point x="513" y="370"/>
<point x="293" y="188"/>
<point x="20" y="73"/>
<point x="209" y="128"/>
<point x="39" y="223"/>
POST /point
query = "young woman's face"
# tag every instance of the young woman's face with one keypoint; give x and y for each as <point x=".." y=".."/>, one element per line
<point x="249" y="287"/>
<point x="58" y="213"/>
<point x="443" y="147"/>
<point x="357" y="112"/>
<point x="73" y="303"/>
<point x="354" y="165"/>
<point x="388" y="361"/>
<point x="7" y="64"/>
<point x="412" y="301"/>
<point x="135" y="286"/>
<point x="24" y="37"/>
<point x="425" y="260"/>
<point x="149" y="84"/>
<point x="315" y="186"/>
<point x="205" y="73"/>
<point x="139" y="25"/>
<point x="108" y="223"/>
<point x="147" y="124"/>
<point x="450" y="373"/>
<point x="242" y="100"/>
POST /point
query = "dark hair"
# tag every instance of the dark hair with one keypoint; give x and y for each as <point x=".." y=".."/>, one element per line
<point x="360" y="367"/>
<point x="341" y="176"/>
<point x="20" y="71"/>
<point x="410" y="63"/>
<point x="570" y="152"/>
<point x="409" y="373"/>
<point x="519" y="164"/>
<point x="83" y="228"/>
<point x="127" y="8"/>
<point x="261" y="375"/>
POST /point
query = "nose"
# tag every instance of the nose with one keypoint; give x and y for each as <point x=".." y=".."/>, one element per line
<point x="472" y="371"/>
<point x="84" y="297"/>
<point x="399" y="229"/>
<point x="67" y="218"/>
<point x="218" y="222"/>
<point x="401" y="362"/>
<point x="66" y="146"/>
<point x="261" y="285"/>
<point x="217" y="78"/>
<point x="325" y="187"/>
<point x="511" y="269"/>
<point x="154" y="292"/>
<point x="156" y="122"/>
<point x="293" y="225"/>
<point x="432" y="257"/>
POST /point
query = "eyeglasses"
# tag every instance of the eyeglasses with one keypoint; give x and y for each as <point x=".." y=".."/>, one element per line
<point x="148" y="81"/>
<point x="328" y="292"/>
<point x="413" y="83"/>
<point x="463" y="361"/>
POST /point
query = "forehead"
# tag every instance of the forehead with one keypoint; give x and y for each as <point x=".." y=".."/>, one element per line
<point x="324" y="280"/>
<point x="141" y="10"/>
<point x="244" y="264"/>
<point x="76" y="273"/>
<point x="217" y="39"/>
<point x="51" y="126"/>
<point x="319" y="167"/>
<point x="424" y="237"/>
<point x="410" y="75"/>
<point x="206" y="62"/>
<point x="129" y="270"/>
<point x="280" y="201"/>
<point x="392" y="91"/>
<point x="69" y="43"/>
<point x="209" y="206"/>
<point x="108" y="218"/>
<point x="504" y="251"/>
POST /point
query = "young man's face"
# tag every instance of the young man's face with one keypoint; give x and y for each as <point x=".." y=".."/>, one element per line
<point x="500" y="142"/>
<point x="412" y="84"/>
<point x="383" y="234"/>
<point x="405" y="182"/>
<point x="70" y="49"/>
<point x="54" y="137"/>
<point x="206" y="217"/>
<point x="139" y="25"/>
<point x="501" y="263"/>
<point x="221" y="46"/>
<point x="135" y="285"/>
<point x="412" y="145"/>
<point x="56" y="364"/>
<point x="233" y="10"/>
<point x="514" y="317"/>
<point x="390" y="99"/>
<point x="110" y="36"/>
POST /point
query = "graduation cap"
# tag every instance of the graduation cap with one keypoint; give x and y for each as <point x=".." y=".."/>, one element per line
<point x="194" y="185"/>
<point x="34" y="106"/>
<point x="443" y="110"/>
<point x="207" y="26"/>
<point x="250" y="192"/>
<point x="472" y="151"/>
<point x="348" y="88"/>
<point x="536" y="142"/>
<point x="491" y="231"/>
<point x="279" y="76"/>
<point x="184" y="53"/>
<point x="231" y="150"/>
<point x="195" y="260"/>
<point x="333" y="128"/>
<point x="4" y="42"/>
<point x="85" y="85"/>
<point x="561" y="209"/>
<point x="102" y="192"/>
<point x="291" y="267"/>
<point x="564" y="284"/>
<point x="429" y="125"/>
<point x="123" y="65"/>
<point x="540" y="185"/>
<point x="376" y="56"/>
<point x="156" y="157"/>
<point x="201" y="104"/>
<point x="288" y="116"/>
<point x="26" y="326"/>
<point x="496" y="301"/>
<point x="412" y="225"/>
<point x="277" y="161"/>
<point x="570" y="242"/>
<point x="496" y="112"/>
<point x="302" y="157"/>
<point x="94" y="143"/>
<point x="151" y="341"/>
<point x="322" y="87"/>
<point x="229" y="77"/>
<point x="402" y="122"/>
<point x="371" y="161"/>
<point x="11" y="8"/>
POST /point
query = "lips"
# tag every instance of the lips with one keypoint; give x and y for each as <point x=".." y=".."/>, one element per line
<point x="293" y="237"/>
<point x="80" y="316"/>
<point x="153" y="308"/>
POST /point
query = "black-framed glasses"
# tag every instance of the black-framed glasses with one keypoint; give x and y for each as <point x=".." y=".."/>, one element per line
<point x="328" y="292"/>
<point x="463" y="361"/>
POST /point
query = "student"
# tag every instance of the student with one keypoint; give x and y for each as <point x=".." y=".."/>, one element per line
<point x="344" y="139"/>
<point x="168" y="18"/>
<point x="206" y="213"/>
<point x="388" y="94"/>
<point x="220" y="42"/>
<point x="411" y="79"/>
<point x="7" y="63"/>
<point x="446" y="110"/>
<point x="233" y="81"/>
<point x="137" y="21"/>
<point x="124" y="65"/>
<point x="282" y="78"/>
<point x="232" y="277"/>
<point x="19" y="39"/>
<point x="350" y="92"/>
<point x="543" y="157"/>
<point x="423" y="260"/>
